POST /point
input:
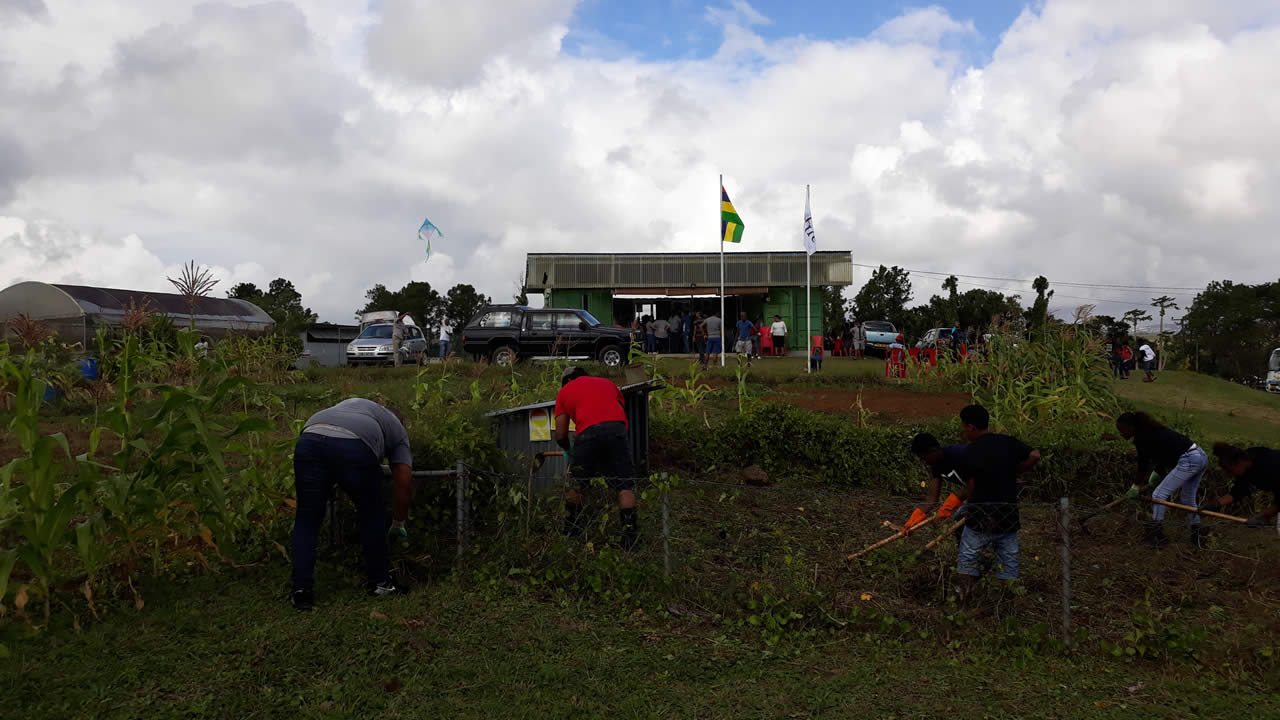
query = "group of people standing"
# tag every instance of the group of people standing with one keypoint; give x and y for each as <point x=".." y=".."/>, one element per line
<point x="695" y="332"/>
<point x="1122" y="360"/>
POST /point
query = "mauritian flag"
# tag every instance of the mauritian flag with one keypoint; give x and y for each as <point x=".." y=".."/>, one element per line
<point x="730" y="224"/>
<point x="425" y="232"/>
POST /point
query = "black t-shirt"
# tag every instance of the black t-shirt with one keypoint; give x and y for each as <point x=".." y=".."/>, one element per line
<point x="1160" y="449"/>
<point x="948" y="468"/>
<point x="992" y="463"/>
<point x="1264" y="475"/>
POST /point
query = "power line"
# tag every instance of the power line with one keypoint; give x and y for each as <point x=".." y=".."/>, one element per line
<point x="1056" y="282"/>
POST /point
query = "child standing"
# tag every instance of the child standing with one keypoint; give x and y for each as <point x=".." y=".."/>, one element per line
<point x="990" y="467"/>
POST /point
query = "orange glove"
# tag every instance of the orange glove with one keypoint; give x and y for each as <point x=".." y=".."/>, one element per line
<point x="917" y="516"/>
<point x="950" y="505"/>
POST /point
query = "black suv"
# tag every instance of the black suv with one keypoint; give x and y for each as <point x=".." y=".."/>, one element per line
<point x="505" y="333"/>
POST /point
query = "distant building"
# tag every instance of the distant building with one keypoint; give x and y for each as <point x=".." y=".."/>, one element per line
<point x="614" y="287"/>
<point x="75" y="312"/>
<point x="325" y="344"/>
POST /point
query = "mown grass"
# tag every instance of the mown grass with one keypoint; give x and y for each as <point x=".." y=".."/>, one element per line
<point x="228" y="646"/>
<point x="1215" y="408"/>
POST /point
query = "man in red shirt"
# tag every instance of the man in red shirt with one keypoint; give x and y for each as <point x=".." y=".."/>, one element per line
<point x="600" y="449"/>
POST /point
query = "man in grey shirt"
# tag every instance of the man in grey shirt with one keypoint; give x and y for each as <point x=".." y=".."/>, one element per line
<point x="715" y="336"/>
<point x="397" y="337"/>
<point x="344" y="445"/>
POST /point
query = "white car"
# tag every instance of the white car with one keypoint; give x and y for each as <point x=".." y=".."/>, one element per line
<point x="373" y="345"/>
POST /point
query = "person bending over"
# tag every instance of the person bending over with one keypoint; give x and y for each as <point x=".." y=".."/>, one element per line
<point x="344" y="445"/>
<point x="1256" y="469"/>
<point x="600" y="447"/>
<point x="1173" y="456"/>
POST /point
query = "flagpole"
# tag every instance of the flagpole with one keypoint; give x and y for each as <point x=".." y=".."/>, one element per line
<point x="720" y="194"/>
<point x="808" y="300"/>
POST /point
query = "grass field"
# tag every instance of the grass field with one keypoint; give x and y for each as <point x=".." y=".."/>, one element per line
<point x="224" y="642"/>
<point x="1218" y="409"/>
<point x="230" y="647"/>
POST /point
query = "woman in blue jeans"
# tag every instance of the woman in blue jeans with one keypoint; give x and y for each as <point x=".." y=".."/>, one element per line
<point x="1172" y="456"/>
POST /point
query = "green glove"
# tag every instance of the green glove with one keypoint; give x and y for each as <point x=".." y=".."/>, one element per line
<point x="1154" y="479"/>
<point x="1132" y="492"/>
<point x="397" y="532"/>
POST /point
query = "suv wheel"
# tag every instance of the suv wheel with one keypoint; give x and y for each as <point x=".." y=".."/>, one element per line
<point x="611" y="356"/>
<point x="503" y="356"/>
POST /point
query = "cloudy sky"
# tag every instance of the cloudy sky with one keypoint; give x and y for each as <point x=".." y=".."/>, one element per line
<point x="1113" y="143"/>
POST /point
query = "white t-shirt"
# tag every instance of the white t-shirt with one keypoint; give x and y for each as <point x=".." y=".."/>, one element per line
<point x="1147" y="353"/>
<point x="445" y="332"/>
<point x="778" y="328"/>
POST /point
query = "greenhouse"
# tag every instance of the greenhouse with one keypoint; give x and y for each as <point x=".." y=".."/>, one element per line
<point x="75" y="312"/>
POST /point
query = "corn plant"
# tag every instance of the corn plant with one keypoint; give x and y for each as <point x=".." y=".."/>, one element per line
<point x="39" y="508"/>
<point x="695" y="391"/>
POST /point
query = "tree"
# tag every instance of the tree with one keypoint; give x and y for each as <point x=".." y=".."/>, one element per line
<point x="419" y="299"/>
<point x="1108" y="326"/>
<point x="884" y="296"/>
<point x="1234" y="327"/>
<point x="194" y="283"/>
<point x="462" y="303"/>
<point x="1164" y="302"/>
<point x="834" y="310"/>
<point x="1038" y="315"/>
<point x="281" y="301"/>
<point x="521" y="296"/>
<point x="1135" y="316"/>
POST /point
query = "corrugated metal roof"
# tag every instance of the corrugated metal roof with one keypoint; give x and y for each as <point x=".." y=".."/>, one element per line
<point x="95" y="299"/>
<point x="621" y="271"/>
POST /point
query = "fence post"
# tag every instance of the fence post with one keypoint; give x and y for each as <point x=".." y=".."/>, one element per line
<point x="460" y="476"/>
<point x="1064" y="522"/>
<point x="666" y="533"/>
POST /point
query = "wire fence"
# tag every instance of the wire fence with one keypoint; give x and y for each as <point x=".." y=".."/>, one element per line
<point x="1053" y="570"/>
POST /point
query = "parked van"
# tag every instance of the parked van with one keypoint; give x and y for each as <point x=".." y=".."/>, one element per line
<point x="1273" y="372"/>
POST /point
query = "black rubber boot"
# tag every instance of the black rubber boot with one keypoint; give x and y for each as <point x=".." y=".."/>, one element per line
<point x="1200" y="536"/>
<point x="572" y="519"/>
<point x="630" y="529"/>
<point x="1153" y="533"/>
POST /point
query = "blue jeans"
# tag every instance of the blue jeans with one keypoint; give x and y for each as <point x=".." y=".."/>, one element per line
<point x="1005" y="546"/>
<point x="650" y="342"/>
<point x="444" y="348"/>
<point x="1186" y="475"/>
<point x="319" y="463"/>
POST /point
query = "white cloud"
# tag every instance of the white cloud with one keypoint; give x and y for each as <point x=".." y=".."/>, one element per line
<point x="923" y="25"/>
<point x="449" y="43"/>
<point x="308" y="140"/>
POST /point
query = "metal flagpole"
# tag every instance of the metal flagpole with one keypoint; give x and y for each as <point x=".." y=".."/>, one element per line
<point x="720" y="192"/>
<point x="808" y="301"/>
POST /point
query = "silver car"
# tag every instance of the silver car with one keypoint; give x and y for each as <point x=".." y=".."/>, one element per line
<point x="373" y="346"/>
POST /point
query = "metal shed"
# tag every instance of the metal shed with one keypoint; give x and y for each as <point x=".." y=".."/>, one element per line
<point x="325" y="344"/>
<point x="526" y="431"/>
<point x="75" y="312"/>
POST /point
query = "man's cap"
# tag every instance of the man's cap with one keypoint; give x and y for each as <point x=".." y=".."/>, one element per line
<point x="569" y="371"/>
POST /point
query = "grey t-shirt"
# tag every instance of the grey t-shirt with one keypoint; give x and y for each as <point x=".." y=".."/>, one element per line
<point x="660" y="328"/>
<point x="373" y="424"/>
<point x="714" y="326"/>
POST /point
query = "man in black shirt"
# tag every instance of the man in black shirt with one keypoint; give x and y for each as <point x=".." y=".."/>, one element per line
<point x="943" y="464"/>
<point x="1255" y="469"/>
<point x="990" y="468"/>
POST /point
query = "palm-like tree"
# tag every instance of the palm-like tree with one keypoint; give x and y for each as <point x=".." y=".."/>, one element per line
<point x="1165" y="303"/>
<point x="195" y="282"/>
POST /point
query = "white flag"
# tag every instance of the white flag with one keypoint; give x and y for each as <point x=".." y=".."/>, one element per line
<point x="810" y="240"/>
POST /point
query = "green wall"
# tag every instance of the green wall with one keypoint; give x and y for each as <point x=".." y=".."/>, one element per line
<point x="597" y="302"/>
<point x="789" y="303"/>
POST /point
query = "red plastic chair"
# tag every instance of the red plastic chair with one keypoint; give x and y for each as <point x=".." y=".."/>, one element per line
<point x="895" y="364"/>
<point x="839" y="350"/>
<point x="766" y="343"/>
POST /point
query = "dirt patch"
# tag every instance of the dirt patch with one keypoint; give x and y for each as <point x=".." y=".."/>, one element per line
<point x="885" y="401"/>
<point x="77" y="439"/>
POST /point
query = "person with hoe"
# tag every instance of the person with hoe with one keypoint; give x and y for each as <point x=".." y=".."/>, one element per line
<point x="1173" y="456"/>
<point x="1255" y="469"/>
<point x="990" y="467"/>
<point x="943" y="463"/>
<point x="600" y="449"/>
<point x="344" y="445"/>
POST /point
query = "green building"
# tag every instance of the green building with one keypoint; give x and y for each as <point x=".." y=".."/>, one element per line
<point x="616" y="287"/>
